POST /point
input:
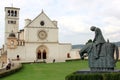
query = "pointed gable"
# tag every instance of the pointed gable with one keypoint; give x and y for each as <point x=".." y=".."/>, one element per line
<point x="42" y="20"/>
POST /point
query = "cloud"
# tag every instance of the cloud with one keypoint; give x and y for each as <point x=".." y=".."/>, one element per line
<point x="112" y="24"/>
<point x="73" y="23"/>
<point x="74" y="16"/>
<point x="112" y="28"/>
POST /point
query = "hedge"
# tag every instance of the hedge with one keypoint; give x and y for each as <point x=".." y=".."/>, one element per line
<point x="94" y="76"/>
<point x="11" y="71"/>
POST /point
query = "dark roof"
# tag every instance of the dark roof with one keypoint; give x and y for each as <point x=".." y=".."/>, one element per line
<point x="12" y="34"/>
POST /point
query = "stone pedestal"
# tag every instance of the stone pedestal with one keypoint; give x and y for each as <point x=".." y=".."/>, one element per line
<point x="92" y="72"/>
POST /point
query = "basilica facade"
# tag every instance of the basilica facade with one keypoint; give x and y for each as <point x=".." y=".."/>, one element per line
<point x="38" y="41"/>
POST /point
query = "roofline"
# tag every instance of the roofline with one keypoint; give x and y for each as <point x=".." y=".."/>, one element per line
<point x="38" y="16"/>
<point x="12" y="8"/>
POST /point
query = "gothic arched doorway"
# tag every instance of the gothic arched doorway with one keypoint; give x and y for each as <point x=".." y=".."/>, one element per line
<point x="39" y="55"/>
<point x="42" y="52"/>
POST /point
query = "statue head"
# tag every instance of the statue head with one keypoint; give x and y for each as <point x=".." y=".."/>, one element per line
<point x="92" y="28"/>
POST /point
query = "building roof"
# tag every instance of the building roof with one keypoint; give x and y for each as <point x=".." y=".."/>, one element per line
<point x="12" y="34"/>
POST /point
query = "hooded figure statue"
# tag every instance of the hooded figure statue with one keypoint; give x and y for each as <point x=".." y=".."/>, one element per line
<point x="98" y="40"/>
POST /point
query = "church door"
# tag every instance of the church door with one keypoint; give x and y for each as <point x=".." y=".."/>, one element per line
<point x="42" y="52"/>
<point x="39" y="55"/>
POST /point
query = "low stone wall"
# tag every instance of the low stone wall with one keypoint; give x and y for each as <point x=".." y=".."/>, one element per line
<point x="13" y="69"/>
<point x="1" y="70"/>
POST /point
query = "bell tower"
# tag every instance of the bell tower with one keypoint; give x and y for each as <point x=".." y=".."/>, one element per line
<point x="11" y="21"/>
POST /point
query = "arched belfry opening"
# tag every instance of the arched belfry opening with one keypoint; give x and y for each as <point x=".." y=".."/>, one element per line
<point x="42" y="52"/>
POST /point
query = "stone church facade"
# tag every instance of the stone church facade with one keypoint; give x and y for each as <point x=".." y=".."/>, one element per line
<point x="38" y="41"/>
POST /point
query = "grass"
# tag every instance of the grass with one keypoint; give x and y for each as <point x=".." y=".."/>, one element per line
<point x="50" y="71"/>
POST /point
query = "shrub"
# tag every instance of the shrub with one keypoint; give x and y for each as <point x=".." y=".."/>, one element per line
<point x="94" y="76"/>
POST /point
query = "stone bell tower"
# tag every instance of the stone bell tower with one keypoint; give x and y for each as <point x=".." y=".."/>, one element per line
<point x="11" y="21"/>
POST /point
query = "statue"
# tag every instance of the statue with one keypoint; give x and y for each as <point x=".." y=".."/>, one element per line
<point x="98" y="40"/>
<point x="100" y="53"/>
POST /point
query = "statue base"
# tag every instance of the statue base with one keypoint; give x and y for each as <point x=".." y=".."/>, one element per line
<point x="94" y="75"/>
<point x="88" y="71"/>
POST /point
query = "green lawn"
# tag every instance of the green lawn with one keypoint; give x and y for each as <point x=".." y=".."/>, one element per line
<point x="50" y="71"/>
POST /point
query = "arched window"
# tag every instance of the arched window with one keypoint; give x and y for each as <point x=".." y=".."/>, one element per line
<point x="8" y="12"/>
<point x="12" y="13"/>
<point x="15" y="13"/>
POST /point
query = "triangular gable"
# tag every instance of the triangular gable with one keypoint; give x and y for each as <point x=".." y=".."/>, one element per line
<point x="42" y="17"/>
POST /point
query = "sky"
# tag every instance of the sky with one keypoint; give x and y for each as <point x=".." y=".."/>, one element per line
<point x="75" y="17"/>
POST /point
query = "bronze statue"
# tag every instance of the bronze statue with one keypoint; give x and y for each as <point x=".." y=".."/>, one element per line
<point x="100" y="53"/>
<point x="98" y="40"/>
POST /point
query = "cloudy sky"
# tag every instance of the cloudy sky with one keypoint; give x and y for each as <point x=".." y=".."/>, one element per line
<point x="75" y="17"/>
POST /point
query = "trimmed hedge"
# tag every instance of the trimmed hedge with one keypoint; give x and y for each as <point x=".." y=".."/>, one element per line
<point x="94" y="76"/>
<point x="11" y="71"/>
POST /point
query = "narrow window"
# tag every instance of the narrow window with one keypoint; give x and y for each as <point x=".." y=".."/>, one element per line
<point x="8" y="12"/>
<point x="12" y="13"/>
<point x="15" y="13"/>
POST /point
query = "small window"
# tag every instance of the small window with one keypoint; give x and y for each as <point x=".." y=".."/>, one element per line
<point x="18" y="57"/>
<point x="68" y="55"/>
<point x="12" y="22"/>
<point x="42" y="23"/>
<point x="9" y="22"/>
